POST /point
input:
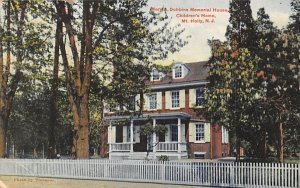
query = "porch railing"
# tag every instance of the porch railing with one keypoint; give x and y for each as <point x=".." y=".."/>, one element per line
<point x="170" y="146"/>
<point x="120" y="147"/>
<point x="161" y="146"/>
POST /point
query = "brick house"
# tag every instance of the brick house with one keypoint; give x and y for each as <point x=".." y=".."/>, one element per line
<point x="170" y="102"/>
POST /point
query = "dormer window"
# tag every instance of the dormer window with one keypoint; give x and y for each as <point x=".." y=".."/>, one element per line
<point x="178" y="71"/>
<point x="156" y="75"/>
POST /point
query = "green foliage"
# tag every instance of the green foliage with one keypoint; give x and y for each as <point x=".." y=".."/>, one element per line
<point x="131" y="45"/>
<point x="230" y="89"/>
<point x="240" y="31"/>
<point x="148" y="129"/>
<point x="163" y="158"/>
<point x="295" y="17"/>
<point x="253" y="85"/>
<point x="29" y="121"/>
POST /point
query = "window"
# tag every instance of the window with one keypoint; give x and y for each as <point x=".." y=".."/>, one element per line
<point x="152" y="101"/>
<point x="154" y="75"/>
<point x="200" y="96"/>
<point x="131" y="105"/>
<point x="200" y="132"/>
<point x="129" y="133"/>
<point x="175" y="99"/>
<point x="178" y="71"/>
<point x="224" y="135"/>
<point x="174" y="133"/>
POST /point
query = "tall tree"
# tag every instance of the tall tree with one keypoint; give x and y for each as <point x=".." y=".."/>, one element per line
<point x="241" y="36"/>
<point x="295" y="17"/>
<point x="20" y="42"/>
<point x="53" y="120"/>
<point x="230" y="89"/>
<point x="240" y="32"/>
<point x="266" y="33"/>
<point x="111" y="34"/>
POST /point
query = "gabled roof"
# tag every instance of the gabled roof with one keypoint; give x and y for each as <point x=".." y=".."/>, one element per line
<point x="198" y="71"/>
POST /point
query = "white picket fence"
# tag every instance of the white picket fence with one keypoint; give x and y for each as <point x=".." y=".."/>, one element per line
<point x="171" y="172"/>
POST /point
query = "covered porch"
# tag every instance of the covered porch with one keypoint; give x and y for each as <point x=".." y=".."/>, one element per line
<point x="124" y="146"/>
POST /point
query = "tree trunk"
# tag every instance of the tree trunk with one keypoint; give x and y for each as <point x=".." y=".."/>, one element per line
<point x="8" y="86"/>
<point x="78" y="76"/>
<point x="53" y="98"/>
<point x="2" y="137"/>
<point x="280" y="145"/>
<point x="238" y="145"/>
<point x="81" y="130"/>
<point x="264" y="144"/>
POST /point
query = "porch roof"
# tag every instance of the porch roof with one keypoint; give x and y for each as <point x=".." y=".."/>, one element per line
<point x="165" y="115"/>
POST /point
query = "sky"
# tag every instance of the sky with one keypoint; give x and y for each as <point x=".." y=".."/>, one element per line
<point x="197" y="48"/>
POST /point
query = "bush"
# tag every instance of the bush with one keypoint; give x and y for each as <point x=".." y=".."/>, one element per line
<point x="163" y="158"/>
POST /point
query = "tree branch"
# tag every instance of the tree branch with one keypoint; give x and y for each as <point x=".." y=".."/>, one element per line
<point x="66" y="18"/>
<point x="100" y="37"/>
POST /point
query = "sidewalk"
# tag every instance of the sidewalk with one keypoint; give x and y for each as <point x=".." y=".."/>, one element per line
<point x="32" y="182"/>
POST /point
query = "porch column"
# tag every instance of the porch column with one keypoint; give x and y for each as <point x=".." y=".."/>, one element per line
<point x="179" y="136"/>
<point x="154" y="137"/>
<point x="131" y="136"/>
<point x="109" y="136"/>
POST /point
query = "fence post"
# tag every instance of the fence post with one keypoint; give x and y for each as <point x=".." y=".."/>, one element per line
<point x="298" y="174"/>
<point x="163" y="171"/>
<point x="35" y="169"/>
<point x="231" y="174"/>
<point x="105" y="169"/>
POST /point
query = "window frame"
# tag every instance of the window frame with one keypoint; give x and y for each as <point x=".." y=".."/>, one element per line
<point x="129" y="134"/>
<point x="200" y="133"/>
<point x="131" y="105"/>
<point x="199" y="96"/>
<point x="151" y="97"/>
<point x="175" y="100"/>
<point x="174" y="133"/>
<point x="178" y="73"/>
<point x="155" y="75"/>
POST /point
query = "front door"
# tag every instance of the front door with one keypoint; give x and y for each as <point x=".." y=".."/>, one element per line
<point x="142" y="145"/>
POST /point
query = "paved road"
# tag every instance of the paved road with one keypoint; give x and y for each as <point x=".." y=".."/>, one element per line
<point x="32" y="182"/>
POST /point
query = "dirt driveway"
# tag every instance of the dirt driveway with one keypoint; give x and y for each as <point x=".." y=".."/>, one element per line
<point x="32" y="182"/>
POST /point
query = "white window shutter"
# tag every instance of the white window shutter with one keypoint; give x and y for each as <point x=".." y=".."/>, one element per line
<point x="192" y="97"/>
<point x="146" y="101"/>
<point x="182" y="98"/>
<point x="183" y="133"/>
<point x="137" y="102"/>
<point x="109" y="135"/>
<point x="223" y="135"/>
<point x="159" y="100"/>
<point x="137" y="134"/>
<point x="192" y="132"/>
<point x="227" y="137"/>
<point x="112" y="134"/>
<point x="207" y="132"/>
<point x="173" y="72"/>
<point x="168" y="99"/>
<point x="124" y="133"/>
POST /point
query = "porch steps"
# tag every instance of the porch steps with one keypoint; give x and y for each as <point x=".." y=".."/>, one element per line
<point x="140" y="156"/>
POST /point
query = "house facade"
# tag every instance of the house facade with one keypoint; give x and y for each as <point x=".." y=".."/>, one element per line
<point x="170" y="102"/>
